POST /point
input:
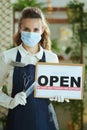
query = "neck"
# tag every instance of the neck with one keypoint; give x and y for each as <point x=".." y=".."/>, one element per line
<point x="31" y="50"/>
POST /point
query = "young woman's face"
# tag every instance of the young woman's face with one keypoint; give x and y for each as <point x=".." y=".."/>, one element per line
<point x="32" y="25"/>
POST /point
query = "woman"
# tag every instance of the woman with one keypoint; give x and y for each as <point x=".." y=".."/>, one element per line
<point x="18" y="66"/>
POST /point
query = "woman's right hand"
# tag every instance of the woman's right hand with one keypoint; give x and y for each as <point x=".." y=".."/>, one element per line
<point x="20" y="98"/>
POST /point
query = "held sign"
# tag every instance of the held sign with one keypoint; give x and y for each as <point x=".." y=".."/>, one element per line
<point x="54" y="79"/>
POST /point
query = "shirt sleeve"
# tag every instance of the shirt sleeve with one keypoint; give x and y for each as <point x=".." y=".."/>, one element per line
<point x="51" y="57"/>
<point x="4" y="98"/>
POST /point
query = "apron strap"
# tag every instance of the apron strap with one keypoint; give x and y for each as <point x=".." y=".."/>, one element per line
<point x="43" y="59"/>
<point x="18" y="57"/>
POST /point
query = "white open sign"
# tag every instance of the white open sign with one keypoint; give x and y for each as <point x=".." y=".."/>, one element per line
<point x="54" y="79"/>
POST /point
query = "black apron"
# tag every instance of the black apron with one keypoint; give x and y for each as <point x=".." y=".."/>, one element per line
<point x="35" y="115"/>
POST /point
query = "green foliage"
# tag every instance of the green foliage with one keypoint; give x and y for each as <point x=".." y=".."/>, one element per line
<point x="83" y="32"/>
<point x="75" y="4"/>
<point x="54" y="46"/>
<point x="74" y="107"/>
<point x="74" y="11"/>
<point x="68" y="50"/>
<point x="4" y="89"/>
<point x="20" y="4"/>
<point x="78" y="19"/>
<point x="75" y="54"/>
<point x="76" y="14"/>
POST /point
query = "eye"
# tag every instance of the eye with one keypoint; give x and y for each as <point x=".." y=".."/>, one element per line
<point x="26" y="29"/>
<point x="36" y="30"/>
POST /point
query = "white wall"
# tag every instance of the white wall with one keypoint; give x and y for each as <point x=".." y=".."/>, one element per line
<point x="62" y="3"/>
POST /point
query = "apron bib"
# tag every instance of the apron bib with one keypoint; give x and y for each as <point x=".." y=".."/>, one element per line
<point x="35" y="115"/>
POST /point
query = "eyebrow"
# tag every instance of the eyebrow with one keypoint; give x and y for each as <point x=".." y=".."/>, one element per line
<point x="29" y="28"/>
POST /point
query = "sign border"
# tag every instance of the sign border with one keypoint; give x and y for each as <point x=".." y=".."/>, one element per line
<point x="61" y="64"/>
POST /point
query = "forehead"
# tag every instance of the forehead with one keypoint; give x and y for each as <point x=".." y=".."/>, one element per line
<point x="31" y="22"/>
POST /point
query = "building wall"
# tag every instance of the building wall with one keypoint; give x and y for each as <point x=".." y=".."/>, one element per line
<point x="61" y="3"/>
<point x="6" y="24"/>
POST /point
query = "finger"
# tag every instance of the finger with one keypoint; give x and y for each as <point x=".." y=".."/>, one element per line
<point x="23" y="94"/>
<point x="56" y="98"/>
<point x="23" y="98"/>
<point x="61" y="99"/>
<point x="67" y="100"/>
<point x="51" y="99"/>
<point x="22" y="101"/>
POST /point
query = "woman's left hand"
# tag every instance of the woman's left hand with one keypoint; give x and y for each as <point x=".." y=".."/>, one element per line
<point x="59" y="99"/>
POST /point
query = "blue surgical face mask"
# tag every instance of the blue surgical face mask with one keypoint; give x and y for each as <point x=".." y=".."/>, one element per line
<point x="30" y="39"/>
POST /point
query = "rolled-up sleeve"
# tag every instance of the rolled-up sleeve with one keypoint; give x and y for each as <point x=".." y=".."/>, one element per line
<point x="4" y="98"/>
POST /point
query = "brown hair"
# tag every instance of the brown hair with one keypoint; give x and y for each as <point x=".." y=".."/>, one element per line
<point x="33" y="12"/>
